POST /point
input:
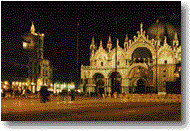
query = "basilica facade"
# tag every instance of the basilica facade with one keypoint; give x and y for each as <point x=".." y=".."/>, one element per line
<point x="144" y="65"/>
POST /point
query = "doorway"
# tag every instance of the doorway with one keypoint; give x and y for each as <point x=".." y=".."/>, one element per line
<point x="141" y="86"/>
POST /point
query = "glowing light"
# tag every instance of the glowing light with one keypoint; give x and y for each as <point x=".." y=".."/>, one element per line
<point x="13" y="83"/>
<point x="25" y="45"/>
<point x="71" y="86"/>
<point x="17" y="83"/>
<point x="64" y="85"/>
<point x="6" y="83"/>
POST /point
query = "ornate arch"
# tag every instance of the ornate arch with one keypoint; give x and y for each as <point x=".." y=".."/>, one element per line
<point x="135" y="81"/>
<point x="103" y="55"/>
<point x="133" y="66"/>
<point x="102" y="77"/>
<point x="137" y="45"/>
<point x="109" y="73"/>
<point x="163" y="54"/>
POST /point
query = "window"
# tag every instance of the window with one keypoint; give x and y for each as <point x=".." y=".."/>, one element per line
<point x="118" y="63"/>
<point x="164" y="70"/>
<point x="81" y="81"/>
<point x="95" y="62"/>
<point x="151" y="61"/>
<point x="102" y="63"/>
<point x="45" y="73"/>
<point x="164" y="75"/>
<point x="165" y="62"/>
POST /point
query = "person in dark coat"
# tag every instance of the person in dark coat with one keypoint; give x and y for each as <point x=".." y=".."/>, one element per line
<point x="44" y="94"/>
<point x="72" y="95"/>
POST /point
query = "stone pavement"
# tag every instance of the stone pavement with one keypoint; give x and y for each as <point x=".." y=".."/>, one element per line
<point x="15" y="105"/>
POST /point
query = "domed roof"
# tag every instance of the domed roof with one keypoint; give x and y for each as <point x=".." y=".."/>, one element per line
<point x="160" y="29"/>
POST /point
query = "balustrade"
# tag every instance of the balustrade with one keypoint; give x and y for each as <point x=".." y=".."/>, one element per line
<point x="141" y="60"/>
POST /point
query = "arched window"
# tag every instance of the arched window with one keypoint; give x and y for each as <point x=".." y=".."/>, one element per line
<point x="102" y="63"/>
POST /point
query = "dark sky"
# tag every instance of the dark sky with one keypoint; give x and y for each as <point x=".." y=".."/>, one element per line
<point x="58" y="21"/>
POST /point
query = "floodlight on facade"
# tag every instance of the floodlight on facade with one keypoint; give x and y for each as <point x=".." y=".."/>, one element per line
<point x="25" y="45"/>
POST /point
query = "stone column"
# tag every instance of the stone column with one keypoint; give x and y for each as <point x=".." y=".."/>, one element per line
<point x="127" y="89"/>
<point x="89" y="90"/>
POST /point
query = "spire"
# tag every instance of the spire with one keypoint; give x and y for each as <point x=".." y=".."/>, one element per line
<point x="109" y="45"/>
<point x="93" y="41"/>
<point x="175" y="36"/>
<point x="101" y="46"/>
<point x="117" y="42"/>
<point x="32" y="28"/>
<point x="165" y="41"/>
<point x="109" y="40"/>
<point x="141" y="28"/>
<point x="126" y="38"/>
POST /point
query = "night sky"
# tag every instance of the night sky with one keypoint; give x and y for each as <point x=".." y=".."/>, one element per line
<point x="58" y="21"/>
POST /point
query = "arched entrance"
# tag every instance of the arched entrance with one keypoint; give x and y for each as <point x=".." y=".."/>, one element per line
<point x="115" y="79"/>
<point x="99" y="89"/>
<point x="141" y="55"/>
<point x="141" y="86"/>
<point x="140" y="80"/>
<point x="99" y="83"/>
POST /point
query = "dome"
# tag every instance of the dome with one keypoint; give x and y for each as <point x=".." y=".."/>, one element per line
<point x="160" y="29"/>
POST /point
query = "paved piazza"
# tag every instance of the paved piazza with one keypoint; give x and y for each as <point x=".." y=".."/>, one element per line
<point x="128" y="108"/>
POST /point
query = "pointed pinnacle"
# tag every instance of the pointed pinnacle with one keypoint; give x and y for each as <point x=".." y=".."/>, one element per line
<point x="141" y="27"/>
<point x="32" y="29"/>
<point x="117" y="42"/>
<point x="165" y="39"/>
<point x="93" y="41"/>
<point x="101" y="44"/>
<point x="109" y="40"/>
<point x="126" y="38"/>
<point x="175" y="36"/>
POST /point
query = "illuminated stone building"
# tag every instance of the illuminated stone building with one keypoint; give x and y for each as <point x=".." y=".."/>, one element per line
<point x="39" y="69"/>
<point x="144" y="65"/>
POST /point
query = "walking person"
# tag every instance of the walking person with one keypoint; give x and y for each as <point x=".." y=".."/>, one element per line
<point x="63" y="94"/>
<point x="43" y="94"/>
<point x="72" y="95"/>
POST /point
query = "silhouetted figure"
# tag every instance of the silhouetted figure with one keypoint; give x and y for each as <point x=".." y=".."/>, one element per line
<point x="63" y="94"/>
<point x="3" y="92"/>
<point x="72" y="95"/>
<point x="44" y="94"/>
